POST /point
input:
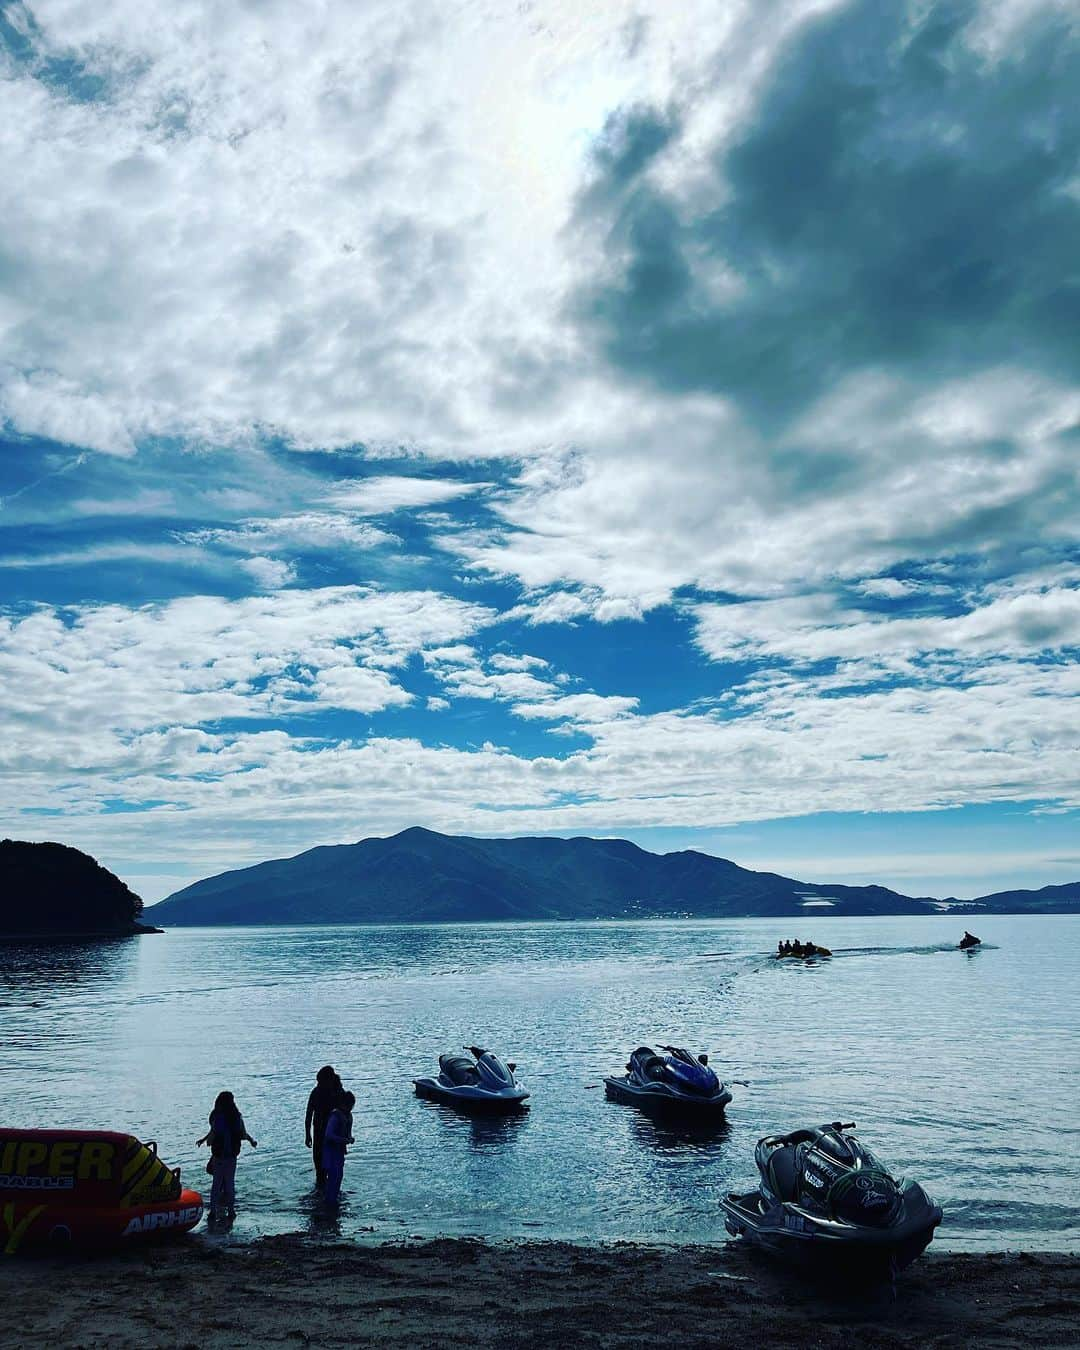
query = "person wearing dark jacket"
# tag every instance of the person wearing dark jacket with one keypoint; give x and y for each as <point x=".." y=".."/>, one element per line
<point x="336" y="1141"/>
<point x="226" y="1133"/>
<point x="324" y="1096"/>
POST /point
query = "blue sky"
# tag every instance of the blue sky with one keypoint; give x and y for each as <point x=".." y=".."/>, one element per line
<point x="659" y="421"/>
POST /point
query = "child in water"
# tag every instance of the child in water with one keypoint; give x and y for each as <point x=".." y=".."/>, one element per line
<point x="226" y="1133"/>
<point x="336" y="1141"/>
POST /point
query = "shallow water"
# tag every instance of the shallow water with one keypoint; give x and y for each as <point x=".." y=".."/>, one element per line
<point x="960" y="1069"/>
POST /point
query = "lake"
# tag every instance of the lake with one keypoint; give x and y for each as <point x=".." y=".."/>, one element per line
<point x="960" y="1069"/>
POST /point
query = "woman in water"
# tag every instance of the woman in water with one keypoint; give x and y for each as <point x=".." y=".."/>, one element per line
<point x="226" y="1133"/>
<point x="325" y="1095"/>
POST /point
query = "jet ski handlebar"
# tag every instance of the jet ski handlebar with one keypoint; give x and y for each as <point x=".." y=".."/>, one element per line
<point x="806" y="1136"/>
<point x="677" y="1050"/>
<point x="474" y="1050"/>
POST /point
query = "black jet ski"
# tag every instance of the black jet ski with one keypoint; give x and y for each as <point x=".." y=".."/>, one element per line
<point x="824" y="1198"/>
<point x="803" y="953"/>
<point x="682" y="1083"/>
<point x="969" y="940"/>
<point x="483" y="1082"/>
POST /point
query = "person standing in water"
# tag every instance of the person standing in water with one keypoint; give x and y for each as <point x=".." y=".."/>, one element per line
<point x="226" y="1133"/>
<point x="324" y="1096"/>
<point x="336" y="1141"/>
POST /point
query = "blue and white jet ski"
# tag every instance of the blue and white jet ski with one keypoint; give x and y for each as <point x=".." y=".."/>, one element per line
<point x="823" y="1199"/>
<point x="483" y="1082"/>
<point x="681" y="1083"/>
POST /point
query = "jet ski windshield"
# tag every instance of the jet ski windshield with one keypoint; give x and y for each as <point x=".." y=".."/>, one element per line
<point x="689" y="1072"/>
<point x="494" y="1074"/>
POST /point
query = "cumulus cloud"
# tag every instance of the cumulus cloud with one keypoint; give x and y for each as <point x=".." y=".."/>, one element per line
<point x="270" y="574"/>
<point x="811" y="629"/>
<point x="91" y="675"/>
<point x="338" y="224"/>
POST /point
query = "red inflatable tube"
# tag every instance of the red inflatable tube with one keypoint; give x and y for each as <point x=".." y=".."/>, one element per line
<point x="89" y="1188"/>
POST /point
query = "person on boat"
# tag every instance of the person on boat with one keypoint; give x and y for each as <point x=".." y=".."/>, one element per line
<point x="780" y="948"/>
<point x="226" y="1133"/>
<point x="324" y="1096"/>
<point x="336" y="1142"/>
<point x="796" y="948"/>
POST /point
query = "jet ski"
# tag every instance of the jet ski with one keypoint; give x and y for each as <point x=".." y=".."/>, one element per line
<point x="804" y="953"/>
<point x="681" y="1082"/>
<point x="969" y="940"/>
<point x="483" y="1082"/>
<point x="823" y="1198"/>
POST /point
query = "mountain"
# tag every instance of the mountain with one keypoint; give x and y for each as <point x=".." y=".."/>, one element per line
<point x="1049" y="900"/>
<point x="419" y="876"/>
<point x="50" y="890"/>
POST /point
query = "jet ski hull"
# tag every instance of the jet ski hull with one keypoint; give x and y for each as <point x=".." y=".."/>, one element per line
<point x="665" y="1100"/>
<point x="785" y="1231"/>
<point x="468" y="1097"/>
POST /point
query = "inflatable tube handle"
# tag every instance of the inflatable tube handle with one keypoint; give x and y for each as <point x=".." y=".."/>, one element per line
<point x="151" y="1144"/>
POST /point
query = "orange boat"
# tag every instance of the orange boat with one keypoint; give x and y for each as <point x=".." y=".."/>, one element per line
<point x="87" y="1188"/>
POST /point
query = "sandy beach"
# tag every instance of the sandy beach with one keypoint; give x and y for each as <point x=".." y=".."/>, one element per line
<point x="293" y="1290"/>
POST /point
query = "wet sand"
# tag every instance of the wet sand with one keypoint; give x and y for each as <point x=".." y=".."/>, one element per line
<point x="293" y="1290"/>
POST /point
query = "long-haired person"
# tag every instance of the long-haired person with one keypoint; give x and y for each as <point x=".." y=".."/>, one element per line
<point x="226" y="1133"/>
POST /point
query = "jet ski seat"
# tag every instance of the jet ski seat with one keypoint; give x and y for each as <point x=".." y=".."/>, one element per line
<point x="650" y="1063"/>
<point x="460" y="1069"/>
<point x="782" y="1172"/>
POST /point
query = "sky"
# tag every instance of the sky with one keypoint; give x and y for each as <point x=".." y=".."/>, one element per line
<point x="628" y="419"/>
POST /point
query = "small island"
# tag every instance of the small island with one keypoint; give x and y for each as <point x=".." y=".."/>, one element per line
<point x="50" y="893"/>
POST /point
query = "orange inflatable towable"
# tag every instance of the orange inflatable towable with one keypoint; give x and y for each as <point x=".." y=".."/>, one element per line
<point x="87" y="1188"/>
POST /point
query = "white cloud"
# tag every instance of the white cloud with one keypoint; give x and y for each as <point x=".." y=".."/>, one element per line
<point x="877" y="474"/>
<point x="380" y="495"/>
<point x="812" y="628"/>
<point x="46" y="404"/>
<point x="82" y="680"/>
<point x="342" y="224"/>
<point x="91" y="555"/>
<point x="305" y="530"/>
<point x="270" y="574"/>
<point x="583" y="708"/>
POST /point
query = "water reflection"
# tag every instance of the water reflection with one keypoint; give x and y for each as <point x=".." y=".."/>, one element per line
<point x="672" y="1136"/>
<point x="29" y="967"/>
<point x="484" y="1132"/>
<point x="489" y="1134"/>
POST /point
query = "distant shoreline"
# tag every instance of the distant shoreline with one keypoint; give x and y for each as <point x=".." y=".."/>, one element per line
<point x="456" y="1291"/>
<point x="786" y="921"/>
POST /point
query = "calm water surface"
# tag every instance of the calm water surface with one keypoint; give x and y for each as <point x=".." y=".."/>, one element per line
<point x="961" y="1070"/>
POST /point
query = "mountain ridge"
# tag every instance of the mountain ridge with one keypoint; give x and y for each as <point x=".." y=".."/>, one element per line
<point x="421" y="876"/>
